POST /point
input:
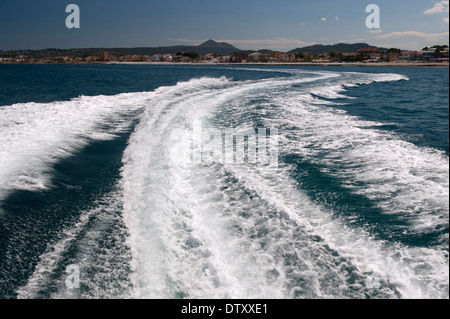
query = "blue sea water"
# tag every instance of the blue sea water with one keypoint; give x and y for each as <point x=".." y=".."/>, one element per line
<point x="357" y="207"/>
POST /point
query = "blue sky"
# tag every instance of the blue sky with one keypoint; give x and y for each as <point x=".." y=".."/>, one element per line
<point x="249" y="24"/>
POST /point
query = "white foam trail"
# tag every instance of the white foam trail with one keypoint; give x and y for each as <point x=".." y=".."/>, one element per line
<point x="407" y="180"/>
<point x="145" y="174"/>
<point x="214" y="231"/>
<point x="413" y="272"/>
<point x="103" y="269"/>
<point x="34" y="136"/>
<point x="224" y="231"/>
<point x="52" y="258"/>
<point x="332" y="137"/>
<point x="148" y="152"/>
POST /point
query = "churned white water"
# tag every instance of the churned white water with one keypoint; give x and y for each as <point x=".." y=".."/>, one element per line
<point x="221" y="230"/>
<point x="225" y="231"/>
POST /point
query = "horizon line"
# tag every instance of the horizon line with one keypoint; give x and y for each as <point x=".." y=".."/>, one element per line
<point x="190" y="45"/>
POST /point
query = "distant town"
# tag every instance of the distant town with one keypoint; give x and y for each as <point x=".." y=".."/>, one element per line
<point x="225" y="53"/>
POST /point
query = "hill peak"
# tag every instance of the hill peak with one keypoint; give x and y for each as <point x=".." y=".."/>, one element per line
<point x="340" y="48"/>
<point x="209" y="43"/>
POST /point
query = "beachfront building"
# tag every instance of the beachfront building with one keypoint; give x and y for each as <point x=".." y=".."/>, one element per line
<point x="349" y="56"/>
<point x="393" y="55"/>
<point x="276" y="55"/>
<point x="91" y="58"/>
<point x="409" y="56"/>
<point x="156" y="58"/>
<point x="225" y="59"/>
<point x="180" y="59"/>
<point x="167" y="57"/>
<point x="254" y="57"/>
<point x="375" y="57"/>
<point x="287" y="57"/>
<point x="429" y="55"/>
<point x="435" y="55"/>
<point x="239" y="58"/>
<point x="443" y="56"/>
<point x="372" y="54"/>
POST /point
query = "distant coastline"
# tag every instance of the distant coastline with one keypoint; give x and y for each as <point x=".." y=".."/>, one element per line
<point x="292" y="63"/>
<point x="379" y="64"/>
<point x="221" y="53"/>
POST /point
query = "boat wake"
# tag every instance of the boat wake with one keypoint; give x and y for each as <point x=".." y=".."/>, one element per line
<point x="215" y="229"/>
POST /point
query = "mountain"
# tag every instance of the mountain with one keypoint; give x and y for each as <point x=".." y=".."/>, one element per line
<point x="213" y="45"/>
<point x="209" y="46"/>
<point x="339" y="48"/>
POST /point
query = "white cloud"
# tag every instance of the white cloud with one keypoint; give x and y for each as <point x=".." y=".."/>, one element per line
<point x="409" y="45"/>
<point x="377" y="31"/>
<point x="445" y="20"/>
<point x="424" y="35"/>
<point x="439" y="7"/>
<point x="302" y="24"/>
<point x="324" y="19"/>
<point x="352" y="40"/>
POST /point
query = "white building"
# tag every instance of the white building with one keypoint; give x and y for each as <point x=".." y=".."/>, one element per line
<point x="256" y="56"/>
<point x="156" y="58"/>
<point x="167" y="57"/>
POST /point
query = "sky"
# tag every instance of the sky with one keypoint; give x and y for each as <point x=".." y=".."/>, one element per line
<point x="250" y="24"/>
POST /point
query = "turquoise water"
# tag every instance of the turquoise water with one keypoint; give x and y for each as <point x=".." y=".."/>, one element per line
<point x="356" y="208"/>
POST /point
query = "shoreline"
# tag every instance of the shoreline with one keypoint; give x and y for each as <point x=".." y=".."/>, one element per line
<point x="380" y="64"/>
<point x="290" y="64"/>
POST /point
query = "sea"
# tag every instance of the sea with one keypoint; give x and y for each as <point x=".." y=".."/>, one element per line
<point x="224" y="182"/>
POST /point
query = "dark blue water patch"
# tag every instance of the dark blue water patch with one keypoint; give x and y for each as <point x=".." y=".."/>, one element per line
<point x="418" y="108"/>
<point x="385" y="127"/>
<point x="355" y="209"/>
<point x="30" y="220"/>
